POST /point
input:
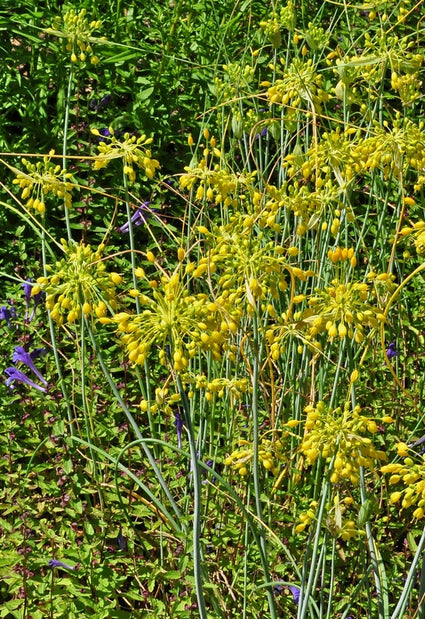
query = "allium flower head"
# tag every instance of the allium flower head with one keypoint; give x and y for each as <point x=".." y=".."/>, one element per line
<point x="270" y="454"/>
<point x="79" y="284"/>
<point x="340" y="432"/>
<point x="131" y="150"/>
<point x="41" y="179"/>
<point x="343" y="310"/>
<point x="76" y="30"/>
<point x="411" y="477"/>
<point x="171" y="317"/>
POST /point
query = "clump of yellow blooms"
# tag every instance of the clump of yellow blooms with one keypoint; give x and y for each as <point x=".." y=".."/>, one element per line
<point x="131" y="150"/>
<point x="412" y="475"/>
<point x="77" y="32"/>
<point x="307" y="517"/>
<point x="235" y="388"/>
<point x="212" y="180"/>
<point x="298" y="85"/>
<point x="172" y="317"/>
<point x="164" y="401"/>
<point x="342" y="254"/>
<point x="246" y="268"/>
<point x="42" y="178"/>
<point x="78" y="285"/>
<point x="417" y="234"/>
<point x="340" y="432"/>
<point x="394" y="150"/>
<point x="271" y="453"/>
<point x="342" y="310"/>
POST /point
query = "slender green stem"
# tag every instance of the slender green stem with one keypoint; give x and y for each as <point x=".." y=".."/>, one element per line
<point x="197" y="505"/>
<point x="65" y="144"/>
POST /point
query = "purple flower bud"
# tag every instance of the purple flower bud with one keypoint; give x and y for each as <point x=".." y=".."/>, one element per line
<point x="20" y="355"/>
<point x="179" y="427"/>
<point x="14" y="374"/>
<point x="392" y="351"/>
<point x="7" y="314"/>
<point x="65" y="566"/>
<point x="296" y="592"/>
<point x="37" y="298"/>
<point x="138" y="218"/>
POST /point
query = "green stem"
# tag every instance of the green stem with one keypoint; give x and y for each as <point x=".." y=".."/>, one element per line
<point x="197" y="507"/>
<point x="65" y="144"/>
<point x="256" y="464"/>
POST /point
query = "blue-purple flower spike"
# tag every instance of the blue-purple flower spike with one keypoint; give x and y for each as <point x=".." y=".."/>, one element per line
<point x="392" y="351"/>
<point x="65" y="566"/>
<point x="7" y="314"/>
<point x="22" y="356"/>
<point x="296" y="592"/>
<point x="179" y="427"/>
<point x="138" y="218"/>
<point x="14" y="374"/>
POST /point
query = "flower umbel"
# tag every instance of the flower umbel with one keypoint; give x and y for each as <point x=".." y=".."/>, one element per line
<point x="79" y="284"/>
<point x="131" y="150"/>
<point x="42" y="178"/>
<point x="340" y="432"/>
<point x="171" y="317"/>
<point x="77" y="31"/>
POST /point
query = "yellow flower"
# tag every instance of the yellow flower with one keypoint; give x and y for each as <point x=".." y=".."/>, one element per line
<point x="178" y="322"/>
<point x="76" y="31"/>
<point x="41" y="179"/>
<point x="131" y="150"/>
<point x="340" y="433"/>
<point x="342" y="309"/>
<point x="78" y="284"/>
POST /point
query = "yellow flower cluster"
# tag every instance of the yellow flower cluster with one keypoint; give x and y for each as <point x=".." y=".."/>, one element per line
<point x="131" y="150"/>
<point x="163" y="402"/>
<point x="180" y="323"/>
<point x="339" y="432"/>
<point x="77" y="31"/>
<point x="342" y="310"/>
<point x="270" y="454"/>
<point x="79" y="284"/>
<point x="247" y="269"/>
<point x="213" y="182"/>
<point x="42" y="178"/>
<point x="307" y="517"/>
<point x="412" y="475"/>
<point x="417" y="234"/>
<point x="342" y="254"/>
<point x="299" y="83"/>
<point x="235" y="388"/>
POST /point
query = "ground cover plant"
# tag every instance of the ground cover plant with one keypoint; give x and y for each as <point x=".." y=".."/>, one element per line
<point x="211" y="310"/>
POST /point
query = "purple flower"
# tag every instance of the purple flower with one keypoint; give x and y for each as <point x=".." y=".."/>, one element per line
<point x="65" y="566"/>
<point x="7" y="314"/>
<point x="20" y="355"/>
<point x="138" y="218"/>
<point x="97" y="105"/>
<point x="392" y="351"/>
<point x="27" y="286"/>
<point x="296" y="592"/>
<point x="122" y="541"/>
<point x="14" y="374"/>
<point x="179" y="427"/>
